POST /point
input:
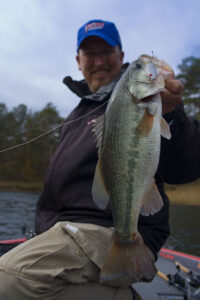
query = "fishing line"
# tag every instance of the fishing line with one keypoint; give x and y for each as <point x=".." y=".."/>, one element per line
<point x="51" y="130"/>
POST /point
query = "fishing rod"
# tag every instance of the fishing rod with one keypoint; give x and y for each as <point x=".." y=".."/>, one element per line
<point x="180" y="283"/>
<point x="194" y="280"/>
<point x="171" y="280"/>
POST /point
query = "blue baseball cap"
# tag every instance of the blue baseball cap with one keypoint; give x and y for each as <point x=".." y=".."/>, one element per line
<point x="103" y="29"/>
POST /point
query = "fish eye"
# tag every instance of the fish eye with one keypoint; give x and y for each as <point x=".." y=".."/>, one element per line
<point x="138" y="66"/>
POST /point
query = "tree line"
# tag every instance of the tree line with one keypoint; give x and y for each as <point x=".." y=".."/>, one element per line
<point x="28" y="163"/>
<point x="190" y="77"/>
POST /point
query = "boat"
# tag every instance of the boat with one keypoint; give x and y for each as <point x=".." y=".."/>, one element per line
<point x="178" y="275"/>
<point x="7" y="245"/>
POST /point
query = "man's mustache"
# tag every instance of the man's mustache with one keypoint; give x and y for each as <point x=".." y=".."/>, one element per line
<point x="104" y="69"/>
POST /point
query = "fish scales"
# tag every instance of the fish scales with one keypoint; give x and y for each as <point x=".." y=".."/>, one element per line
<point x="120" y="164"/>
<point x="128" y="160"/>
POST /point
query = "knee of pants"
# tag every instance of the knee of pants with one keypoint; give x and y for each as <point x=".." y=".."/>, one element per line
<point x="16" y="288"/>
<point x="92" y="290"/>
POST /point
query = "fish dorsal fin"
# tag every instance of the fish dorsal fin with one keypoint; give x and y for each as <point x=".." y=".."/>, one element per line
<point x="100" y="191"/>
<point x="152" y="201"/>
<point x="165" y="130"/>
<point x="98" y="131"/>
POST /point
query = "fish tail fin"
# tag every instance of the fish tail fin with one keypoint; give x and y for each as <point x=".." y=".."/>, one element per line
<point x="128" y="263"/>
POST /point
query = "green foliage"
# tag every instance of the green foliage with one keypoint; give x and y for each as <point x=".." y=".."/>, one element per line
<point x="29" y="162"/>
<point x="190" y="77"/>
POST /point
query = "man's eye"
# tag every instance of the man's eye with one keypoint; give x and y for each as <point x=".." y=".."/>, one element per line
<point x="107" y="52"/>
<point x="90" y="54"/>
<point x="104" y="53"/>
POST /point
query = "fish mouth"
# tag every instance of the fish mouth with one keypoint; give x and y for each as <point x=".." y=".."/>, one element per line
<point x="145" y="82"/>
<point x="147" y="99"/>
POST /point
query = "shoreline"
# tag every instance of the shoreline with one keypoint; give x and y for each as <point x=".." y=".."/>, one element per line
<point x="15" y="186"/>
<point x="183" y="194"/>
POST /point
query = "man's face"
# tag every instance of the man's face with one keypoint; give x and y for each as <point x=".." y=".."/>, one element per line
<point x="99" y="62"/>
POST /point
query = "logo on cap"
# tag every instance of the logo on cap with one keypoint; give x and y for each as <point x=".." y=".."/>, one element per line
<point x="93" y="26"/>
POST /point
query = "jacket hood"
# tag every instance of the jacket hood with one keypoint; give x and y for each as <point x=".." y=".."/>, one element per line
<point x="81" y="89"/>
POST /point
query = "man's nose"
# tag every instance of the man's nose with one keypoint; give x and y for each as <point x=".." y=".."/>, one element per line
<point x="99" y="59"/>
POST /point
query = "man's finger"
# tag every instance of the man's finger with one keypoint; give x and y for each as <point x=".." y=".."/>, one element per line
<point x="170" y="101"/>
<point x="174" y="86"/>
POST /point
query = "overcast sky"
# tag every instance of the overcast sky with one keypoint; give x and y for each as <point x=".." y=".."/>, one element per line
<point x="38" y="42"/>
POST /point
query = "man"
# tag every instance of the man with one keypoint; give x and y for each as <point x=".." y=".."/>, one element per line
<point x="64" y="260"/>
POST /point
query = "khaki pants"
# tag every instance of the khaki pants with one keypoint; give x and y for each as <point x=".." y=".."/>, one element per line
<point x="62" y="263"/>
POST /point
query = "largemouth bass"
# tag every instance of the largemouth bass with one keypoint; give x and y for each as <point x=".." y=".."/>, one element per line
<point x="128" y="138"/>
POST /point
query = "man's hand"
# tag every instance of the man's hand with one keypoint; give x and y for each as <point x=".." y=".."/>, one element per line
<point x="172" y="96"/>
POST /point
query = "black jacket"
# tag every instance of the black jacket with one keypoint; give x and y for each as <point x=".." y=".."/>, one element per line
<point x="66" y="195"/>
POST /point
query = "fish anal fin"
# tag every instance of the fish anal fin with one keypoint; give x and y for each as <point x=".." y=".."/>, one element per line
<point x="127" y="263"/>
<point x="152" y="201"/>
<point x="165" y="130"/>
<point x="100" y="191"/>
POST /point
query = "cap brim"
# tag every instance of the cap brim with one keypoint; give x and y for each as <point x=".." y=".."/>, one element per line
<point x="108" y="40"/>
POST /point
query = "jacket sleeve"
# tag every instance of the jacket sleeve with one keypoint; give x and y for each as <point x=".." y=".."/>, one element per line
<point x="180" y="156"/>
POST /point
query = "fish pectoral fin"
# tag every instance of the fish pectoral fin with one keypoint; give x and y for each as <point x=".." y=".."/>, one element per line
<point x="98" y="131"/>
<point x="152" y="201"/>
<point x="165" y="130"/>
<point x="100" y="192"/>
<point x="152" y="108"/>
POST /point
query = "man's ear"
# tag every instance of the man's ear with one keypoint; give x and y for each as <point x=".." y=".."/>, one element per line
<point x="78" y="62"/>
<point x="122" y="56"/>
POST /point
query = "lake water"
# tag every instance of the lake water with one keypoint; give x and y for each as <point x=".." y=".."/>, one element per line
<point x="17" y="210"/>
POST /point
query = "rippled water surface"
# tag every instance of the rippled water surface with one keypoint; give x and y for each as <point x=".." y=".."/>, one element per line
<point x="17" y="209"/>
<point x="185" y="229"/>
